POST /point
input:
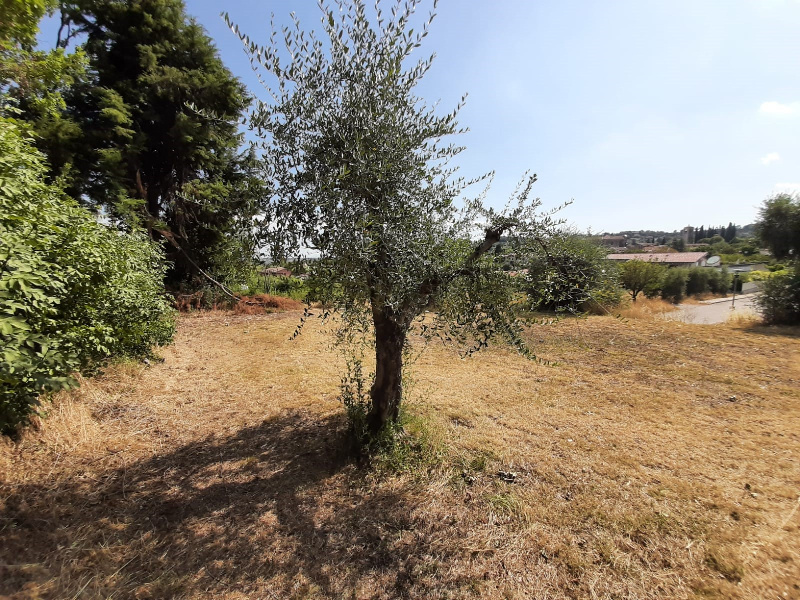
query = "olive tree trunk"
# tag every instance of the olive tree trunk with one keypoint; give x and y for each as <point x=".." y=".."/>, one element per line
<point x="387" y="389"/>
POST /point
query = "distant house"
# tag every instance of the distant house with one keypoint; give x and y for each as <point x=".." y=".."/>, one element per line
<point x="615" y="241"/>
<point x="276" y="272"/>
<point x="671" y="259"/>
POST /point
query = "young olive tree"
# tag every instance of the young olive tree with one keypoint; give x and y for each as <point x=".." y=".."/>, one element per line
<point x="361" y="175"/>
<point x="639" y="275"/>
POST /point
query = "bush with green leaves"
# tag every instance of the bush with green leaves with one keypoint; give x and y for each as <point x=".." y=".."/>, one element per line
<point x="673" y="284"/>
<point x="702" y="280"/>
<point x="73" y="292"/>
<point x="639" y="276"/>
<point x="696" y="282"/>
<point x="719" y="281"/>
<point x="570" y="273"/>
<point x="291" y="287"/>
<point x="763" y="275"/>
<point x="779" y="300"/>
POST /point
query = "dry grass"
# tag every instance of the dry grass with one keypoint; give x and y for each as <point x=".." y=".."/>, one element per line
<point x="257" y="304"/>
<point x="744" y="319"/>
<point x="654" y="460"/>
<point x="264" y="303"/>
<point x="647" y="308"/>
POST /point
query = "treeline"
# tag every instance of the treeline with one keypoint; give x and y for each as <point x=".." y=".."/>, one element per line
<point x="708" y="233"/>
<point x="672" y="283"/>
<point x="565" y="272"/>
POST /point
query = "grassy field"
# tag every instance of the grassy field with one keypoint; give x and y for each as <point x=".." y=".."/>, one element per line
<point x="653" y="460"/>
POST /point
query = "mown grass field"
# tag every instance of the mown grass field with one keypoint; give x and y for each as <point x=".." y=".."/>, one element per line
<point x="653" y="460"/>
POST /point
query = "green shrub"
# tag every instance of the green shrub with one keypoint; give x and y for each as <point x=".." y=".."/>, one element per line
<point x="571" y="274"/>
<point x="72" y="291"/>
<point x="733" y="259"/>
<point x="355" y="398"/>
<point x="607" y="296"/>
<point x="723" y="248"/>
<point x="702" y="280"/>
<point x="697" y="281"/>
<point x="719" y="281"/>
<point x="748" y="249"/>
<point x="779" y="299"/>
<point x="291" y="287"/>
<point x="764" y="275"/>
<point x="673" y="284"/>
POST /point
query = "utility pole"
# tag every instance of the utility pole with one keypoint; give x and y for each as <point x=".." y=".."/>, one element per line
<point x="735" y="285"/>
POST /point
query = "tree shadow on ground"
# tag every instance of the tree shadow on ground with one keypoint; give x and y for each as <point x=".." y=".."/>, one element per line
<point x="770" y="330"/>
<point x="269" y="511"/>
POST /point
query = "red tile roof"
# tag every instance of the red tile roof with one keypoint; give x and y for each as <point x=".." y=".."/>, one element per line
<point x="276" y="271"/>
<point x="662" y="257"/>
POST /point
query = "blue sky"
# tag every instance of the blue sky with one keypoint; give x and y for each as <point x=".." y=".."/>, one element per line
<point x="648" y="114"/>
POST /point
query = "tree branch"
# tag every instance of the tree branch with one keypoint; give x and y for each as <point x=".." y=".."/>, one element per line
<point x="430" y="285"/>
<point x="493" y="235"/>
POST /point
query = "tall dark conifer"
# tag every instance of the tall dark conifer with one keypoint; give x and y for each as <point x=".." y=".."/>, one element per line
<point x="142" y="145"/>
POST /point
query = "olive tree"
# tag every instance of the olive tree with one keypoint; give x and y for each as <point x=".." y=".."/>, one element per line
<point x="567" y="272"/>
<point x="361" y="175"/>
<point x="638" y="275"/>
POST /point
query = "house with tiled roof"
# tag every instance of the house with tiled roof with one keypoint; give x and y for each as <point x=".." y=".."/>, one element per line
<point x="275" y="272"/>
<point x="671" y="259"/>
<point x="615" y="241"/>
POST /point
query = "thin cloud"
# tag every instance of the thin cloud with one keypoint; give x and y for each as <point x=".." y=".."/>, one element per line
<point x="779" y="109"/>
<point x="788" y="187"/>
<point x="770" y="158"/>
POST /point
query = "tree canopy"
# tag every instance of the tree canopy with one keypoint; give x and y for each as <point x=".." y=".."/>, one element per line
<point x="638" y="275"/>
<point x="360" y="172"/>
<point x="778" y="225"/>
<point x="133" y="140"/>
<point x="30" y="78"/>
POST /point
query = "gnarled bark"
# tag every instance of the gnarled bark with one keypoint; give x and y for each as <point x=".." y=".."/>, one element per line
<point x="387" y="389"/>
<point x="391" y="329"/>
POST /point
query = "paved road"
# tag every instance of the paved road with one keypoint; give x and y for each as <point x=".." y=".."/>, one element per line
<point x="714" y="311"/>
